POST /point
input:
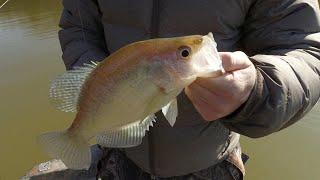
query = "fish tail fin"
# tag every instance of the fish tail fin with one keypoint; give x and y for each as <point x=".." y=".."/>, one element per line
<point x="74" y="151"/>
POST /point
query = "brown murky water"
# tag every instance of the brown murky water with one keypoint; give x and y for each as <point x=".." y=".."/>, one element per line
<point x="30" y="58"/>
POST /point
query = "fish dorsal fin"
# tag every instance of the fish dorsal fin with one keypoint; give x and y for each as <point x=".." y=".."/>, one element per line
<point x="170" y="111"/>
<point x="65" y="89"/>
<point x="127" y="136"/>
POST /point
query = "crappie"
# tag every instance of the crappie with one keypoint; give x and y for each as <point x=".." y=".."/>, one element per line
<point x="116" y="99"/>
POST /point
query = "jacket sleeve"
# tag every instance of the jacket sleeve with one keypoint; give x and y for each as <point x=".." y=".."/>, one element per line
<point x="81" y="35"/>
<point x="282" y="39"/>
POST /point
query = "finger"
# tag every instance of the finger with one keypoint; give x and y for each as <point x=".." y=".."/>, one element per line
<point x="206" y="112"/>
<point x="221" y="85"/>
<point x="234" y="61"/>
<point x="208" y="100"/>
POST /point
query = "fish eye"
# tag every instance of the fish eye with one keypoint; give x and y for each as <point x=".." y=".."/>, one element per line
<point x="184" y="51"/>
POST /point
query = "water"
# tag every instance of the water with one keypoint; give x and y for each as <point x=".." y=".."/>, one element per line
<point x="30" y="58"/>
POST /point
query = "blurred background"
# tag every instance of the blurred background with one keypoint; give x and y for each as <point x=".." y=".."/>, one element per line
<point x="31" y="57"/>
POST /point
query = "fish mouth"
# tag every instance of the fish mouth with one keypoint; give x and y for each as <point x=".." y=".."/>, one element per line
<point x="207" y="62"/>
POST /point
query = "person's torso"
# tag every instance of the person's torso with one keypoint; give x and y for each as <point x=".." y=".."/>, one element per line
<point x="192" y="144"/>
<point x="127" y="21"/>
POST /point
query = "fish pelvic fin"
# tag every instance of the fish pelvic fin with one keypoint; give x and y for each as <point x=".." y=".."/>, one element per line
<point x="72" y="150"/>
<point x="66" y="88"/>
<point x="170" y="111"/>
<point x="127" y="136"/>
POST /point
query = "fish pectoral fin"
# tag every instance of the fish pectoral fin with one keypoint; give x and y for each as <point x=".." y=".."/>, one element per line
<point x="170" y="111"/>
<point x="127" y="136"/>
<point x="66" y="88"/>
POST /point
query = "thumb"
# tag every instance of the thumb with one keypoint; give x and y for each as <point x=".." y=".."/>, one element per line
<point x="232" y="61"/>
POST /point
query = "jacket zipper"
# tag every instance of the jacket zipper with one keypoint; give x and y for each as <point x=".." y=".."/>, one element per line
<point x="154" y="34"/>
<point x="155" y="19"/>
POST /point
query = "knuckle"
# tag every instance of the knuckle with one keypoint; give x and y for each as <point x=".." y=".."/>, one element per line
<point x="225" y="111"/>
<point x="207" y="116"/>
<point x="240" y="54"/>
<point x="222" y="110"/>
<point x="211" y="115"/>
<point x="218" y="110"/>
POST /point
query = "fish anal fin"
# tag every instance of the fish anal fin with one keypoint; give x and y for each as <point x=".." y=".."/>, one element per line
<point x="127" y="136"/>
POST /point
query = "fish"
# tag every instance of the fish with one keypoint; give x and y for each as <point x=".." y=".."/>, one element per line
<point x="115" y="100"/>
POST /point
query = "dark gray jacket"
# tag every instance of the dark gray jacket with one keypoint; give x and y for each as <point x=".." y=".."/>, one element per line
<point x="280" y="36"/>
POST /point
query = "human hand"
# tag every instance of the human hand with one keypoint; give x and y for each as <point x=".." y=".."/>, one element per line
<point x="216" y="97"/>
